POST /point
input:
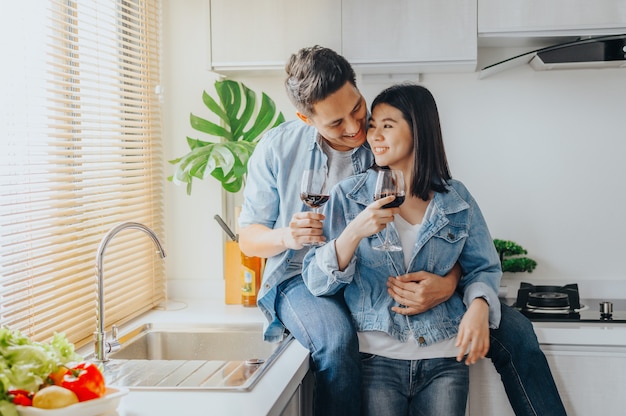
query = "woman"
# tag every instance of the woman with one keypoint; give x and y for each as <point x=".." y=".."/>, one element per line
<point x="411" y="364"/>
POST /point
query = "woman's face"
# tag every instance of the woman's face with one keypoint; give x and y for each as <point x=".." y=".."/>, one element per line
<point x="390" y="138"/>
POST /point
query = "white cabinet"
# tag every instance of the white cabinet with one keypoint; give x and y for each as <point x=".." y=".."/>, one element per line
<point x="376" y="36"/>
<point x="301" y="402"/>
<point x="551" y="18"/>
<point x="589" y="379"/>
<point x="262" y="34"/>
<point x="405" y="35"/>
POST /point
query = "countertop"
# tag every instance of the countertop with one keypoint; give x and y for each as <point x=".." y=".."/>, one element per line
<point x="284" y="376"/>
<point x="600" y="333"/>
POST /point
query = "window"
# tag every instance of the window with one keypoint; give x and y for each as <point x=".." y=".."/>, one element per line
<point x="81" y="152"/>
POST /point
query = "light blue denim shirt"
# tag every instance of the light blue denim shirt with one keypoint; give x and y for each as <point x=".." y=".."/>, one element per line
<point x="453" y="229"/>
<point x="272" y="196"/>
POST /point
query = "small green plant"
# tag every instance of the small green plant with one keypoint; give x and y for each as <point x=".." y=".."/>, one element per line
<point x="512" y="257"/>
<point x="243" y="126"/>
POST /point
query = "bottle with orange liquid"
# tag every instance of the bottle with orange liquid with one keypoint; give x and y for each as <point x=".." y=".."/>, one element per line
<point x="251" y="270"/>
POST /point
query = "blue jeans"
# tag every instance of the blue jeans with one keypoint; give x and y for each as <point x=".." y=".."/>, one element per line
<point x="523" y="367"/>
<point x="433" y="387"/>
<point x="324" y="326"/>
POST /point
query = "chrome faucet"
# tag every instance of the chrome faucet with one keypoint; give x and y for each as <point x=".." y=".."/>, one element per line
<point x="102" y="346"/>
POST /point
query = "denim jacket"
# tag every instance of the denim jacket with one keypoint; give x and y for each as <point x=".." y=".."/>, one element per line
<point x="453" y="229"/>
<point x="272" y="196"/>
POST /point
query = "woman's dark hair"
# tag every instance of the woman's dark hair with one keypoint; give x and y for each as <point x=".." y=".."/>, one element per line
<point x="418" y="107"/>
<point x="313" y="74"/>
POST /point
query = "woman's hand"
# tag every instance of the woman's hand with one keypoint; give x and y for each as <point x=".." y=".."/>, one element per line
<point x="474" y="332"/>
<point x="372" y="219"/>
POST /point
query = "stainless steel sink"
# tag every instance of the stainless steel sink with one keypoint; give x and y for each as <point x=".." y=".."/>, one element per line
<point x="205" y="357"/>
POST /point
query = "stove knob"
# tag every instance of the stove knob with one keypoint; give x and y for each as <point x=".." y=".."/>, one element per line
<point x="606" y="310"/>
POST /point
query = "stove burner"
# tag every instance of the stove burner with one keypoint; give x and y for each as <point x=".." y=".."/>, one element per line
<point x="548" y="300"/>
<point x="560" y="302"/>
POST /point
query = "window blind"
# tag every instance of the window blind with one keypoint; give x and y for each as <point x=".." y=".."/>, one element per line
<point x="81" y="133"/>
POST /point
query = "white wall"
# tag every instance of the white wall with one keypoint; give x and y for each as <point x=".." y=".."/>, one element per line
<point x="541" y="152"/>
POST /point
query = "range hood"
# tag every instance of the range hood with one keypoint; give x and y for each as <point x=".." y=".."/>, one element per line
<point x="598" y="52"/>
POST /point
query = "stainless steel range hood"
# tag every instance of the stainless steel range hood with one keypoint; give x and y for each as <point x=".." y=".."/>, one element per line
<point x="598" y="52"/>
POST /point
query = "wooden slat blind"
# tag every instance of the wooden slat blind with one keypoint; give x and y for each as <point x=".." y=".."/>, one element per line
<point x="81" y="152"/>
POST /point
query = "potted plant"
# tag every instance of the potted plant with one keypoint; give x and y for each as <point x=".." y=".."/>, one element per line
<point x="243" y="125"/>
<point x="512" y="257"/>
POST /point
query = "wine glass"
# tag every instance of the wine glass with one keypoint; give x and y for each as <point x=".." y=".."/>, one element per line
<point x="314" y="192"/>
<point x="389" y="182"/>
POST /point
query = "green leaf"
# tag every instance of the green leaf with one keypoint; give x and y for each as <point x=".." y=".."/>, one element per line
<point x="226" y="159"/>
<point x="242" y="121"/>
<point x="266" y="115"/>
<point x="193" y="143"/>
<point x="205" y="126"/>
<point x="215" y="108"/>
<point x="229" y="93"/>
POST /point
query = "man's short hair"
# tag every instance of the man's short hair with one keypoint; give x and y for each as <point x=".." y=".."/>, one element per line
<point x="314" y="73"/>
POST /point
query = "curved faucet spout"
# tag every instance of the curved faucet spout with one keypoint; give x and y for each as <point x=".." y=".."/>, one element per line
<point x="102" y="347"/>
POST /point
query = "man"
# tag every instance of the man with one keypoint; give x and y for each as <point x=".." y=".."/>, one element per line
<point x="332" y="124"/>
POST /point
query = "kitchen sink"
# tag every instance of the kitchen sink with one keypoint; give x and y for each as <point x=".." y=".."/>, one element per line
<point x="198" y="356"/>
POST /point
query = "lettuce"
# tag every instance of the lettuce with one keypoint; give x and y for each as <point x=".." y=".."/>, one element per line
<point x="25" y="364"/>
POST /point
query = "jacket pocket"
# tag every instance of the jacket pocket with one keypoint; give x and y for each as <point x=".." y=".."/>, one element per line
<point x="446" y="247"/>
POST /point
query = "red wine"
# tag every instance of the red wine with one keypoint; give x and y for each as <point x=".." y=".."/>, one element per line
<point x="314" y="200"/>
<point x="393" y="204"/>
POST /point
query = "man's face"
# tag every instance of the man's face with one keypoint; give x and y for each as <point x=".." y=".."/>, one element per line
<point x="341" y="118"/>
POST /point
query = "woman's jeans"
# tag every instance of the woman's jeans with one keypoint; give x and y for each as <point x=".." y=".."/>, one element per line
<point x="324" y="326"/>
<point x="432" y="387"/>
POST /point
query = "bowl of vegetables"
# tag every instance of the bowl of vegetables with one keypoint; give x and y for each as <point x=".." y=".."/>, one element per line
<point x="50" y="379"/>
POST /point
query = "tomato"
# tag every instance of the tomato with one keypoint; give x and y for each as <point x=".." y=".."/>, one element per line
<point x="85" y="380"/>
<point x="21" y="397"/>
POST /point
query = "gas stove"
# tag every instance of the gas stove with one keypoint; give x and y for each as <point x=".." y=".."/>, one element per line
<point x="563" y="303"/>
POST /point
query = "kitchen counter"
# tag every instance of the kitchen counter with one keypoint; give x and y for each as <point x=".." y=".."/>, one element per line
<point x="599" y="333"/>
<point x="268" y="396"/>
<point x="282" y="379"/>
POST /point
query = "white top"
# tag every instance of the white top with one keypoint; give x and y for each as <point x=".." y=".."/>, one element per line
<point x="381" y="343"/>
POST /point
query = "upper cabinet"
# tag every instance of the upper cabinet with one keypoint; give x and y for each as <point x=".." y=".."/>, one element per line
<point x="376" y="36"/>
<point x="409" y="35"/>
<point x="551" y="18"/>
<point x="397" y="36"/>
<point x="262" y="34"/>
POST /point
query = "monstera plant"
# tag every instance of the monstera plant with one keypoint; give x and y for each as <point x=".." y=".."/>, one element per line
<point x="243" y="124"/>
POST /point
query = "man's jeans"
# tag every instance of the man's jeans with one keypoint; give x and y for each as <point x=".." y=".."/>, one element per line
<point x="432" y="387"/>
<point x="523" y="367"/>
<point x="324" y="326"/>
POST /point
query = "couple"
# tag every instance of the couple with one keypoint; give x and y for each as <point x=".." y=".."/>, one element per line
<point x="334" y="123"/>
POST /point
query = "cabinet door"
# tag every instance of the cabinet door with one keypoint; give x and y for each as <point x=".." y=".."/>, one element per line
<point x="264" y="33"/>
<point x="588" y="378"/>
<point x="405" y="32"/>
<point x="560" y="16"/>
<point x="591" y="380"/>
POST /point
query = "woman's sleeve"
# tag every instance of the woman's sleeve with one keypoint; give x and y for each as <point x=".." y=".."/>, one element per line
<point x="481" y="265"/>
